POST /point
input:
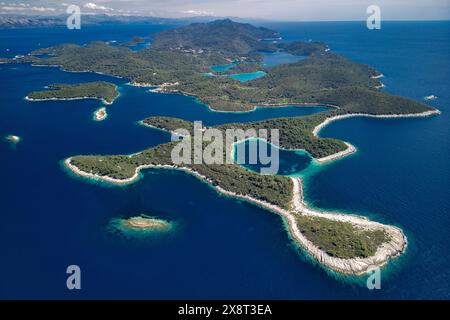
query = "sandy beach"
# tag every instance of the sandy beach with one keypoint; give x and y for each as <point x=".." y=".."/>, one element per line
<point x="357" y="266"/>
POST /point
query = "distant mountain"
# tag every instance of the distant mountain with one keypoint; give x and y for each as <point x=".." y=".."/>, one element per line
<point x="21" y="21"/>
<point x="219" y="35"/>
<point x="24" y="21"/>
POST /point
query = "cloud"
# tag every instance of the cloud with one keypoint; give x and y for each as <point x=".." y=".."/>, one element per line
<point x="25" y="7"/>
<point x="198" y="12"/>
<point x="93" y="6"/>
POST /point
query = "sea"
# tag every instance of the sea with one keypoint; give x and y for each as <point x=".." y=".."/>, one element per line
<point x="220" y="247"/>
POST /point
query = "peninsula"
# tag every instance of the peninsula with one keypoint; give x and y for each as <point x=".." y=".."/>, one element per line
<point x="105" y="91"/>
<point x="344" y="243"/>
<point x="177" y="63"/>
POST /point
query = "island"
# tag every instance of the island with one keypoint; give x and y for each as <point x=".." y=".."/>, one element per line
<point x="144" y="222"/>
<point x="139" y="227"/>
<point x="105" y="91"/>
<point x="179" y="61"/>
<point x="100" y="114"/>
<point x="345" y="243"/>
<point x="133" y="42"/>
<point x="430" y="97"/>
<point x="13" y="139"/>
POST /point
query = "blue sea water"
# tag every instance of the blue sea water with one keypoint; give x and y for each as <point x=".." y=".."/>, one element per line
<point x="244" y="77"/>
<point x="222" y="248"/>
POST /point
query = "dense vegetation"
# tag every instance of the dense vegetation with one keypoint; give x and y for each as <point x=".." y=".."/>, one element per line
<point x="338" y="239"/>
<point x="182" y="55"/>
<point x="147" y="65"/>
<point x="341" y="239"/>
<point x="224" y="36"/>
<point x="99" y="89"/>
<point x="231" y="177"/>
<point x="294" y="133"/>
<point x="303" y="48"/>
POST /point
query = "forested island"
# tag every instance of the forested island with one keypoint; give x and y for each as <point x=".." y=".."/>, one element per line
<point x="177" y="62"/>
<point x="182" y="57"/>
<point x="105" y="91"/>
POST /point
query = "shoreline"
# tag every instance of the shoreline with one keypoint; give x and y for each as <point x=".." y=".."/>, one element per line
<point x="354" y="266"/>
<point x="71" y="99"/>
<point x="164" y="90"/>
<point x="13" y="139"/>
<point x="100" y="114"/>
<point x="352" y="149"/>
<point x="75" y="71"/>
<point x="342" y="154"/>
<point x="145" y="223"/>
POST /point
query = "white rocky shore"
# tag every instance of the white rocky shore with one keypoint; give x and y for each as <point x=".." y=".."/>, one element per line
<point x="100" y="114"/>
<point x="69" y="99"/>
<point x="13" y="139"/>
<point x="350" y="148"/>
<point x="397" y="241"/>
<point x="395" y="246"/>
<point x="141" y="84"/>
<point x="378" y="76"/>
<point x="430" y="97"/>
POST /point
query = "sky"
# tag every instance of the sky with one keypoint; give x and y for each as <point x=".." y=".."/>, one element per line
<point x="289" y="10"/>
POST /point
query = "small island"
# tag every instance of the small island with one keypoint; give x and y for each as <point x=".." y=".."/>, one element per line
<point x="13" y="139"/>
<point x="146" y="223"/>
<point x="100" y="114"/>
<point x="133" y="42"/>
<point x="139" y="227"/>
<point x="105" y="91"/>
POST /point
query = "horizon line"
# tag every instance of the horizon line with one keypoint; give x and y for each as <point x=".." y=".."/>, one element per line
<point x="220" y="18"/>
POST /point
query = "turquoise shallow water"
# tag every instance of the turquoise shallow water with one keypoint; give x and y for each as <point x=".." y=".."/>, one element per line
<point x="221" y="248"/>
<point x="225" y="67"/>
<point x="244" y="77"/>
